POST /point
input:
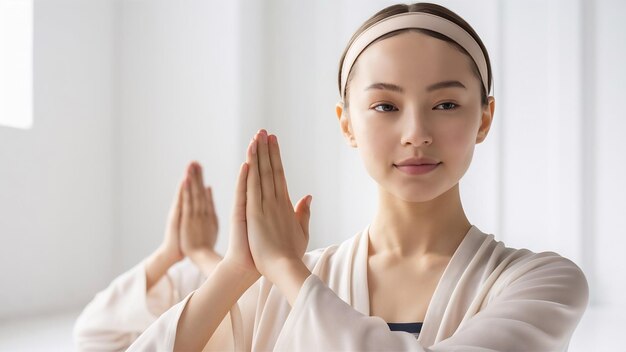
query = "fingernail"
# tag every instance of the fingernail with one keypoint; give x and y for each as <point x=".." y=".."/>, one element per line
<point x="264" y="137"/>
<point x="308" y="201"/>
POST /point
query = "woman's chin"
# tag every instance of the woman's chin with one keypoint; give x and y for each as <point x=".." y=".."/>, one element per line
<point x="420" y="193"/>
<point x="417" y="197"/>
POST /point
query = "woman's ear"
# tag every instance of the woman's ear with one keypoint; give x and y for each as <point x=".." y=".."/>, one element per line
<point x="486" y="120"/>
<point x="345" y="124"/>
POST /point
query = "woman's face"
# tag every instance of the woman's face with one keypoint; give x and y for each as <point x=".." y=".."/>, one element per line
<point x="424" y="119"/>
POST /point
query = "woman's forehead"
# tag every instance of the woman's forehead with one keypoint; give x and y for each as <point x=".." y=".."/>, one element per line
<point x="412" y="59"/>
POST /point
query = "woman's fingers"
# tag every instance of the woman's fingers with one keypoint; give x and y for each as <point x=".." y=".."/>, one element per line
<point x="187" y="208"/>
<point x="177" y="205"/>
<point x="209" y="203"/>
<point x="195" y="191"/>
<point x="202" y="200"/>
<point x="280" y="182"/>
<point x="303" y="214"/>
<point x="253" y="184"/>
<point x="265" y="168"/>
<point x="239" y="213"/>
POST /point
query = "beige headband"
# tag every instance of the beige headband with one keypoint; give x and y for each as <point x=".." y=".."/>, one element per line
<point x="414" y="20"/>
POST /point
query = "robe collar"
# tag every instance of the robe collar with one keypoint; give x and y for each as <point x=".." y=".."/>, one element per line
<point x="358" y="297"/>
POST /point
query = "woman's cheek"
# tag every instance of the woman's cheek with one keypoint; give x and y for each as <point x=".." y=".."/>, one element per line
<point x="369" y="145"/>
<point x="457" y="144"/>
<point x="464" y="147"/>
<point x="366" y="132"/>
<point x="373" y="145"/>
<point x="455" y="137"/>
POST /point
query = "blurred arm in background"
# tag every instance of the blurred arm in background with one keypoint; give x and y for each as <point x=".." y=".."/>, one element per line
<point x="121" y="312"/>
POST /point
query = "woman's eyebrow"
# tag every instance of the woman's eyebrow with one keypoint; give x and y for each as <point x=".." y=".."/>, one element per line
<point x="386" y="86"/>
<point x="445" y="84"/>
<point x="395" y="88"/>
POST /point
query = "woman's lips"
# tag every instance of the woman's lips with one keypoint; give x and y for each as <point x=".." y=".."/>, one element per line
<point x="417" y="169"/>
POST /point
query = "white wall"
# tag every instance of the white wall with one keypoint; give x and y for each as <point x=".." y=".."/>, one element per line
<point x="540" y="111"/>
<point x="177" y="100"/>
<point x="55" y="179"/>
<point x="608" y="123"/>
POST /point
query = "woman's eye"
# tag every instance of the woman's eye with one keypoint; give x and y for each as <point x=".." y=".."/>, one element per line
<point x="386" y="107"/>
<point x="447" y="106"/>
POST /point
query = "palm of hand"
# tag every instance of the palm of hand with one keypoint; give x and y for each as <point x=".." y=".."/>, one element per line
<point x="192" y="222"/>
<point x="275" y="230"/>
<point x="198" y="224"/>
<point x="264" y="226"/>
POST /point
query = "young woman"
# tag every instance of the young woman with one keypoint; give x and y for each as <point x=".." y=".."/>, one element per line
<point x="414" y="83"/>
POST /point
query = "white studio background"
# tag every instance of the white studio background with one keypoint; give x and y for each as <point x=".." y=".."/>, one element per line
<point x="126" y="92"/>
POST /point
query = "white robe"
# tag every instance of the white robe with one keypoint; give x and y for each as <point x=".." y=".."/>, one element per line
<point x="489" y="297"/>
<point x="120" y="313"/>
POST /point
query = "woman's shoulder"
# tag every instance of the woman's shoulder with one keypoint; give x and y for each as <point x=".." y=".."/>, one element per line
<point x="486" y="244"/>
<point x="547" y="264"/>
<point x="524" y="259"/>
<point x="511" y="266"/>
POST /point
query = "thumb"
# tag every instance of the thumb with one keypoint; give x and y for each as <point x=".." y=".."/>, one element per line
<point x="239" y="206"/>
<point x="211" y="204"/>
<point x="176" y="207"/>
<point x="303" y="214"/>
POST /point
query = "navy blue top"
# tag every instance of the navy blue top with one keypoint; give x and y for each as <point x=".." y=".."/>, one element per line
<point x="412" y="328"/>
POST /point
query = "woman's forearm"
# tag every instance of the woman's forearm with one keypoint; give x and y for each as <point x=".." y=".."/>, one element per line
<point x="208" y="306"/>
<point x="206" y="260"/>
<point x="288" y="276"/>
<point x="156" y="266"/>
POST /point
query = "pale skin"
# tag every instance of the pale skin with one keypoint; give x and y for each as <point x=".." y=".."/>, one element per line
<point x="268" y="237"/>
<point x="191" y="229"/>
<point x="420" y="219"/>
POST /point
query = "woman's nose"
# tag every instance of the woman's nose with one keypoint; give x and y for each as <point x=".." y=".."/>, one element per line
<point x="415" y="129"/>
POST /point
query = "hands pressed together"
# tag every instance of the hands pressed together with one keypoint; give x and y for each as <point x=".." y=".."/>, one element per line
<point x="191" y="229"/>
<point x="268" y="236"/>
<point x="192" y="223"/>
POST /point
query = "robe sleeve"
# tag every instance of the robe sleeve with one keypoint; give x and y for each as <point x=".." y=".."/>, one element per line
<point x="233" y="333"/>
<point x="536" y="310"/>
<point x="120" y="313"/>
<point x="161" y="334"/>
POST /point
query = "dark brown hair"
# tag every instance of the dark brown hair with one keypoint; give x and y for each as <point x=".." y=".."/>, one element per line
<point x="434" y="9"/>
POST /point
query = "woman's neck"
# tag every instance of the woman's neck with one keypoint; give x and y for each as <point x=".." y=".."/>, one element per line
<point x="404" y="229"/>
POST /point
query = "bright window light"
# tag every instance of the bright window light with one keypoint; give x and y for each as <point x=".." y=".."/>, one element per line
<point x="16" y="63"/>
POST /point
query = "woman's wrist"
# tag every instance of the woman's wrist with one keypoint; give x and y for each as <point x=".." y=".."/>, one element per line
<point x="206" y="260"/>
<point x="157" y="265"/>
<point x="210" y="303"/>
<point x="288" y="275"/>
<point x="232" y="269"/>
<point x="167" y="256"/>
